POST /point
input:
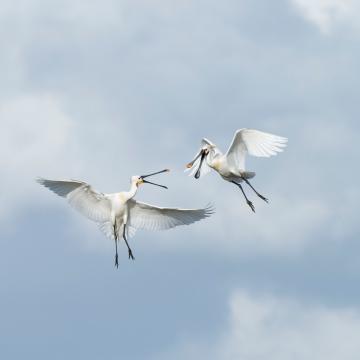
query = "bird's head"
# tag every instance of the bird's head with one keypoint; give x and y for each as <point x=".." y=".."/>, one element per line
<point x="140" y="179"/>
<point x="206" y="148"/>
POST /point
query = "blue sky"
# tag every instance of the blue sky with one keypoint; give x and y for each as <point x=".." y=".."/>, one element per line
<point x="106" y="90"/>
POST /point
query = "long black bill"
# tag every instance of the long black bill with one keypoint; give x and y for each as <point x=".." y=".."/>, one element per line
<point x="149" y="182"/>
<point x="190" y="164"/>
<point x="155" y="173"/>
<point x="197" y="174"/>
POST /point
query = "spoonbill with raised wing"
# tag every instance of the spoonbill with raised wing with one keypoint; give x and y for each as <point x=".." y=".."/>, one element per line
<point x="231" y="166"/>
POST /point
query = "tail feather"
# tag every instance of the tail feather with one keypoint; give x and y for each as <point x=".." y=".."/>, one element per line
<point x="248" y="174"/>
<point x="108" y="229"/>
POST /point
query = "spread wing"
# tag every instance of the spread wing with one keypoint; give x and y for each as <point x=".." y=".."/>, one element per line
<point x="254" y="142"/>
<point x="148" y="217"/>
<point x="82" y="197"/>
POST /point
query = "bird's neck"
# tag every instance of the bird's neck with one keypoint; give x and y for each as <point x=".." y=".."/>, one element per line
<point x="211" y="158"/>
<point x="133" y="190"/>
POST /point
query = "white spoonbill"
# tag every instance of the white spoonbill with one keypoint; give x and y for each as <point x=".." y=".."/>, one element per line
<point x="231" y="166"/>
<point x="119" y="213"/>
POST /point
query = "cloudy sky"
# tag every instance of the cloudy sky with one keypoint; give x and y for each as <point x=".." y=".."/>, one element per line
<point x="104" y="90"/>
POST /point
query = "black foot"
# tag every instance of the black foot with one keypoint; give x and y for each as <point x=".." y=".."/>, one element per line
<point x="252" y="207"/>
<point x="263" y="198"/>
<point x="131" y="256"/>
<point x="116" y="261"/>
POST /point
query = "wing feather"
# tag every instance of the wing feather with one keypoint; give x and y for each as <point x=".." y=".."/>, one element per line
<point x="81" y="196"/>
<point x="148" y="217"/>
<point x="254" y="142"/>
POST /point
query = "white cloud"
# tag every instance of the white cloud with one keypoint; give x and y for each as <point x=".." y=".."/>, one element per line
<point x="271" y="328"/>
<point x="40" y="137"/>
<point x="288" y="226"/>
<point x="325" y="14"/>
<point x="34" y="136"/>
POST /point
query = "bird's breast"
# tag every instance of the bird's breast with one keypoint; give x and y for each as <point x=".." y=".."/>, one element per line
<point x="216" y="164"/>
<point x="119" y="203"/>
<point x="121" y="198"/>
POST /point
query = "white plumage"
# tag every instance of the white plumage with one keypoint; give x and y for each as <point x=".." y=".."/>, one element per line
<point x="253" y="142"/>
<point x="82" y="197"/>
<point x="149" y="217"/>
<point x="231" y="166"/>
<point x="119" y="214"/>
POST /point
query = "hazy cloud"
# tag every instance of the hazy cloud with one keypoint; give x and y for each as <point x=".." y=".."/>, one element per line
<point x="267" y="327"/>
<point x="327" y="14"/>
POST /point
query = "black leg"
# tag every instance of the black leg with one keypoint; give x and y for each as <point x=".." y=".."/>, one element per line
<point x="259" y="195"/>
<point x="116" y="247"/>
<point x="252" y="207"/>
<point x="131" y="256"/>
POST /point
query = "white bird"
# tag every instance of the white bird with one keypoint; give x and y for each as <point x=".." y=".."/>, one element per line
<point x="119" y="213"/>
<point x="231" y="166"/>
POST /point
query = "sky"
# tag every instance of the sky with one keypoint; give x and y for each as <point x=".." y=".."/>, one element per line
<point x="105" y="90"/>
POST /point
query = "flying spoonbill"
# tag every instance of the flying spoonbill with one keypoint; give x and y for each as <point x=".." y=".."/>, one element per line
<point x="119" y="213"/>
<point x="231" y="166"/>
